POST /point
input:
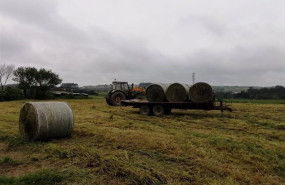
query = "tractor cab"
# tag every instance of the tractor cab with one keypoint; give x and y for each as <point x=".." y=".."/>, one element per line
<point x="122" y="86"/>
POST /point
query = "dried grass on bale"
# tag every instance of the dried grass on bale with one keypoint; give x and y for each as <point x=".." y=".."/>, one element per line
<point x="201" y="92"/>
<point x="156" y="92"/>
<point x="45" y="120"/>
<point x="28" y="121"/>
<point x="177" y="92"/>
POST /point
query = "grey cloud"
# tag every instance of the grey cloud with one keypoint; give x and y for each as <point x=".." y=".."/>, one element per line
<point x="10" y="45"/>
<point x="237" y="54"/>
<point x="208" y="23"/>
<point x="38" y="12"/>
<point x="262" y="65"/>
<point x="42" y="15"/>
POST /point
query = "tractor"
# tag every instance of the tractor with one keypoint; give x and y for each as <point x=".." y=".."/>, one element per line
<point x="122" y="91"/>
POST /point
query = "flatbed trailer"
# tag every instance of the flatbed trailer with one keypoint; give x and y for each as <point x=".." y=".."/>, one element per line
<point x="161" y="108"/>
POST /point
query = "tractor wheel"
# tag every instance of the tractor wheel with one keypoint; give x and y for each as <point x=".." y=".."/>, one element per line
<point x="145" y="110"/>
<point x="158" y="110"/>
<point x="117" y="97"/>
<point x="108" y="101"/>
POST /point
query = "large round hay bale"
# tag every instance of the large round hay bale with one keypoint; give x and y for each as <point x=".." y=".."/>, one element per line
<point x="45" y="120"/>
<point x="177" y="92"/>
<point x="201" y="92"/>
<point x="156" y="92"/>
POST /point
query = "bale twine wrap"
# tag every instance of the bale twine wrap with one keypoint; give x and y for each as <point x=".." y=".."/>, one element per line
<point x="177" y="92"/>
<point x="156" y="92"/>
<point x="201" y="92"/>
<point x="45" y="120"/>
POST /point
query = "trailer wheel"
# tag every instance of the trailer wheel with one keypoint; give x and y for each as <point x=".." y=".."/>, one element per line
<point x="167" y="110"/>
<point x="158" y="110"/>
<point x="145" y="110"/>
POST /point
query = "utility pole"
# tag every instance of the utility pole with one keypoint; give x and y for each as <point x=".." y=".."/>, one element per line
<point x="193" y="78"/>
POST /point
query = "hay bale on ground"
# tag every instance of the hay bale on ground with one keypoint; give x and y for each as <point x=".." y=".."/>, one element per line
<point x="156" y="92"/>
<point x="201" y="92"/>
<point x="45" y="120"/>
<point x="177" y="92"/>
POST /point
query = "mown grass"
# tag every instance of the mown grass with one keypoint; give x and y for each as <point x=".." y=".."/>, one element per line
<point x="42" y="177"/>
<point x="116" y="145"/>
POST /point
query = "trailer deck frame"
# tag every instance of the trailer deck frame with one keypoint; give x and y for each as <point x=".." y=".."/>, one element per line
<point x="160" y="108"/>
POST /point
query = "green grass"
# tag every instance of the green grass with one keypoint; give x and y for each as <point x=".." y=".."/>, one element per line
<point x="42" y="177"/>
<point x="8" y="160"/>
<point x="116" y="145"/>
<point x="101" y="96"/>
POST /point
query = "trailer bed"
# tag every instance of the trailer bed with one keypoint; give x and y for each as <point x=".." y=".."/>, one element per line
<point x="160" y="108"/>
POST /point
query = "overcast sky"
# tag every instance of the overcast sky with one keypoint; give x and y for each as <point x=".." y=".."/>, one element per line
<point x="236" y="42"/>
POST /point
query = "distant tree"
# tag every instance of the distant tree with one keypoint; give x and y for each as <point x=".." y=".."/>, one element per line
<point x="26" y="77"/>
<point x="6" y="72"/>
<point x="46" y="80"/>
<point x="277" y="92"/>
<point x="224" y="95"/>
<point x="35" y="83"/>
<point x="12" y="93"/>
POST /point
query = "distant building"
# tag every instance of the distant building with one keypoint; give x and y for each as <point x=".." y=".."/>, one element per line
<point x="98" y="88"/>
<point x="144" y="84"/>
<point x="69" y="86"/>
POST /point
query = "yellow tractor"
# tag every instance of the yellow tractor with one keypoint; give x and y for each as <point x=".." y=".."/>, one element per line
<point x="122" y="91"/>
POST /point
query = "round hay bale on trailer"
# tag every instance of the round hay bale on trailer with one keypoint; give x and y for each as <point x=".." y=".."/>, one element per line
<point x="45" y="120"/>
<point x="201" y="92"/>
<point x="177" y="92"/>
<point x="156" y="92"/>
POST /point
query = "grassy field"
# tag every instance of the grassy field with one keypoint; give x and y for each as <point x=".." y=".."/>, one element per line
<point x="116" y="145"/>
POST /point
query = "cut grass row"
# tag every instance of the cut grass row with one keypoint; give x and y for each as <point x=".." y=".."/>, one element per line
<point x="116" y="145"/>
<point x="42" y="177"/>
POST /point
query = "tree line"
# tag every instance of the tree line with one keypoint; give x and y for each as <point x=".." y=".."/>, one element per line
<point x="36" y="83"/>
<point x="32" y="82"/>
<point x="277" y="92"/>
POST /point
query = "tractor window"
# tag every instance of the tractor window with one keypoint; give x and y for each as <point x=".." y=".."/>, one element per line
<point x="120" y="86"/>
<point x="125" y="87"/>
<point x="116" y="86"/>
